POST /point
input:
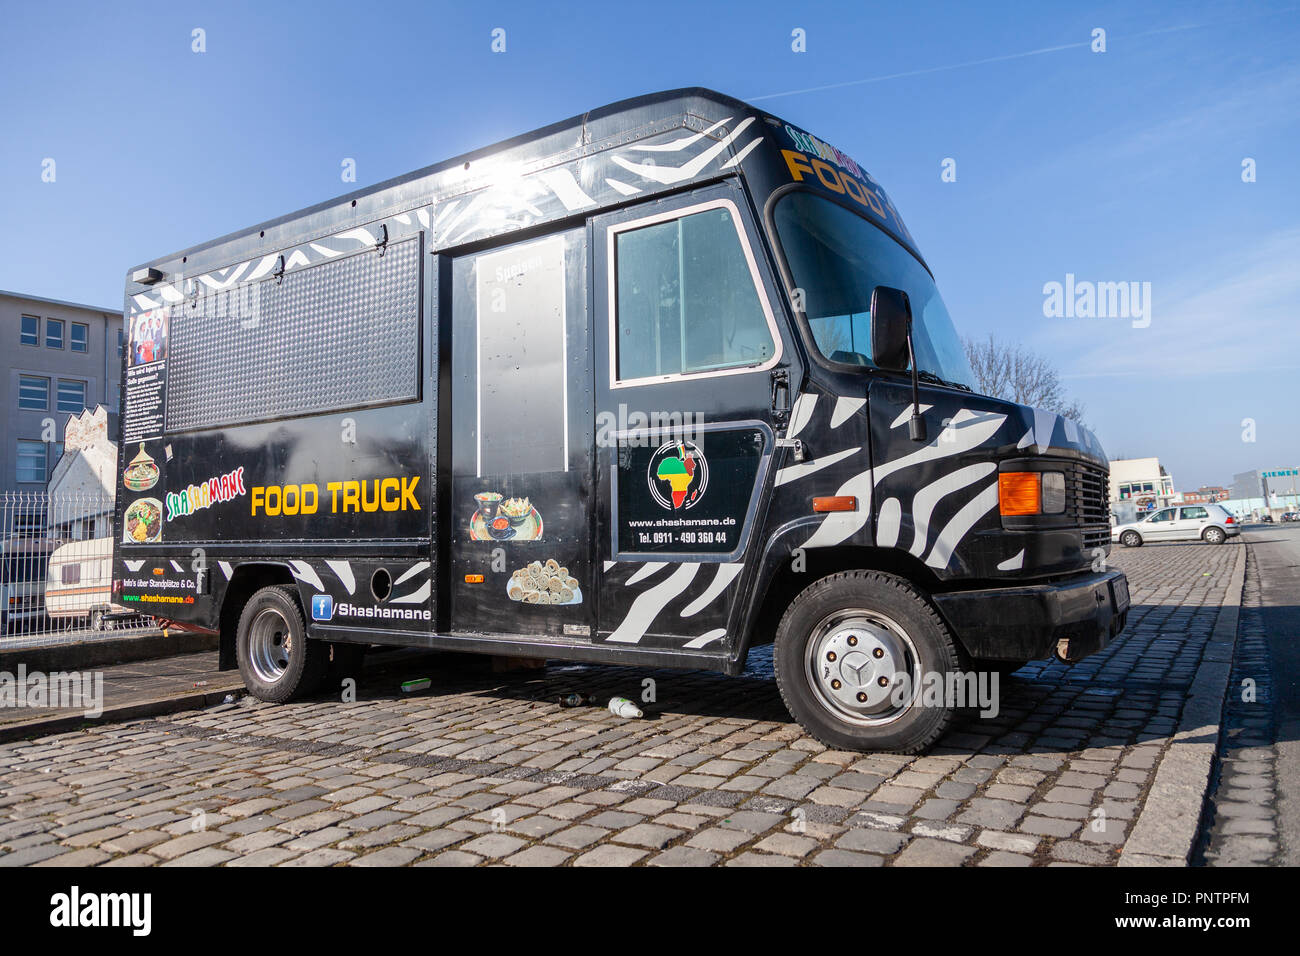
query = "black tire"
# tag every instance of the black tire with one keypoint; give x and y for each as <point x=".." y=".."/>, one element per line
<point x="1131" y="539"/>
<point x="839" y="602"/>
<point x="272" y="621"/>
<point x="1213" y="535"/>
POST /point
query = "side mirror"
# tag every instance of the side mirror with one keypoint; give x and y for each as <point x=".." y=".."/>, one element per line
<point x="891" y="317"/>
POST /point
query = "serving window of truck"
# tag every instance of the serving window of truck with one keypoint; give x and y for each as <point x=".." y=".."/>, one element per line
<point x="650" y="401"/>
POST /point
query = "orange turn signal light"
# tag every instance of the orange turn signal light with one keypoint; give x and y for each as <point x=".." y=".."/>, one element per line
<point x="473" y="579"/>
<point x="836" y="503"/>
<point x="1019" y="493"/>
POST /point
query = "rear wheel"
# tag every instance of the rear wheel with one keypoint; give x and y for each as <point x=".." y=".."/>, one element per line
<point x="852" y="652"/>
<point x="1214" y="536"/>
<point x="276" y="659"/>
<point x="1130" y="539"/>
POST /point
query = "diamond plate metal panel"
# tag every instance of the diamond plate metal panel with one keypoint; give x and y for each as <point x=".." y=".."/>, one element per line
<point x="343" y="334"/>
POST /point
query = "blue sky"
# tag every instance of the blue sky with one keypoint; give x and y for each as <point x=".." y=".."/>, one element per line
<point x="1115" y="166"/>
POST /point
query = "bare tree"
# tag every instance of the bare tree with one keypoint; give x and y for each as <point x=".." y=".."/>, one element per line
<point x="1012" y="372"/>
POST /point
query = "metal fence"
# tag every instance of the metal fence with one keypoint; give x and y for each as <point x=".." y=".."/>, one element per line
<point x="56" y="571"/>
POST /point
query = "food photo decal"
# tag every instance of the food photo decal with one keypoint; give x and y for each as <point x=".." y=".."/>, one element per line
<point x="142" y="521"/>
<point x="497" y="518"/>
<point x="546" y="582"/>
<point x="142" y="473"/>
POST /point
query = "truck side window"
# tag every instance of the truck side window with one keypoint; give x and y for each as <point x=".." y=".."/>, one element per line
<point x="688" y="298"/>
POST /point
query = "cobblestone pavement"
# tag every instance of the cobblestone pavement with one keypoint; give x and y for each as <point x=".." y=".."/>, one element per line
<point x="1241" y="826"/>
<point x="483" y="768"/>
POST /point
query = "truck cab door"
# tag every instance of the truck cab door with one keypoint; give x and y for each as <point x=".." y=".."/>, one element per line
<point x="693" y="376"/>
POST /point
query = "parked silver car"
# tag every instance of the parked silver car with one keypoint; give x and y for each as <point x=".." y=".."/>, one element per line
<point x="1212" y="524"/>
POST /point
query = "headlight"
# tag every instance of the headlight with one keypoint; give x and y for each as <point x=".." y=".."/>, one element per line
<point x="1053" y="492"/>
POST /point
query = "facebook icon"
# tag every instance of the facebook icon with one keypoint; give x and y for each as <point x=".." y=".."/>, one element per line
<point x="322" y="607"/>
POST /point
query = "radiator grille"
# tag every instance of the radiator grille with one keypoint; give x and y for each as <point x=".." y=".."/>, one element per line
<point x="1089" y="492"/>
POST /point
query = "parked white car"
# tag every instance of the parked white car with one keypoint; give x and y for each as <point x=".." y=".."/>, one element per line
<point x="1212" y="524"/>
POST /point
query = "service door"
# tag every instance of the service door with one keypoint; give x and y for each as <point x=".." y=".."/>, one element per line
<point x="690" y="361"/>
<point x="522" y="466"/>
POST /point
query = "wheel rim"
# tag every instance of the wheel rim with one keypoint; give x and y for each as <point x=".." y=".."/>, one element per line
<point x="1130" y="539"/>
<point x="269" y="645"/>
<point x="855" y="660"/>
<point x="1214" y="535"/>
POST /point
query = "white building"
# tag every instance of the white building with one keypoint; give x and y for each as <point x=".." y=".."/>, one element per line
<point x="81" y="489"/>
<point x="1141" y="480"/>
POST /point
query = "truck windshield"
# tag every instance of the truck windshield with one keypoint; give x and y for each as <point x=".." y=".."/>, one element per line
<point x="837" y="258"/>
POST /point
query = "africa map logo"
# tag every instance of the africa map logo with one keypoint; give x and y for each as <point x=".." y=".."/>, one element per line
<point x="678" y="475"/>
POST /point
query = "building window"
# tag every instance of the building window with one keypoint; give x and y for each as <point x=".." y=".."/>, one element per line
<point x="54" y="333"/>
<point x="80" y="337"/>
<point x="31" y="330"/>
<point x="33" y="393"/>
<point x="72" y="396"/>
<point x="31" y="461"/>
<point x="121" y="338"/>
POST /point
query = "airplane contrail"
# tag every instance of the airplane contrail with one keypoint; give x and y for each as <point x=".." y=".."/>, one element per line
<point x="969" y="63"/>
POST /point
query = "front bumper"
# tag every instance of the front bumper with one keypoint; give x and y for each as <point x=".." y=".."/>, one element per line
<point x="1074" y="618"/>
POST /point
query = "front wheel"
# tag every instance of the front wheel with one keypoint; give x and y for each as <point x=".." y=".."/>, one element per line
<point x="1130" y="539"/>
<point x="1215" y="536"/>
<point x="854" y="654"/>
<point x="276" y="659"/>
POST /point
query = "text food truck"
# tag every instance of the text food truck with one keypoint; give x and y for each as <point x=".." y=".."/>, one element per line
<point x="650" y="386"/>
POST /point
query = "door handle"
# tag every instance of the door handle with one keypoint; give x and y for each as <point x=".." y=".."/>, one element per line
<point x="780" y="404"/>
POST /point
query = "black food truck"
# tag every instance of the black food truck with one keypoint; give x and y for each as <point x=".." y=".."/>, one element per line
<point x="650" y="386"/>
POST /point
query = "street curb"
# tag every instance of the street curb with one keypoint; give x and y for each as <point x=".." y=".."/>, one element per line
<point x="149" y="707"/>
<point x="104" y="653"/>
<point x="1166" y="829"/>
